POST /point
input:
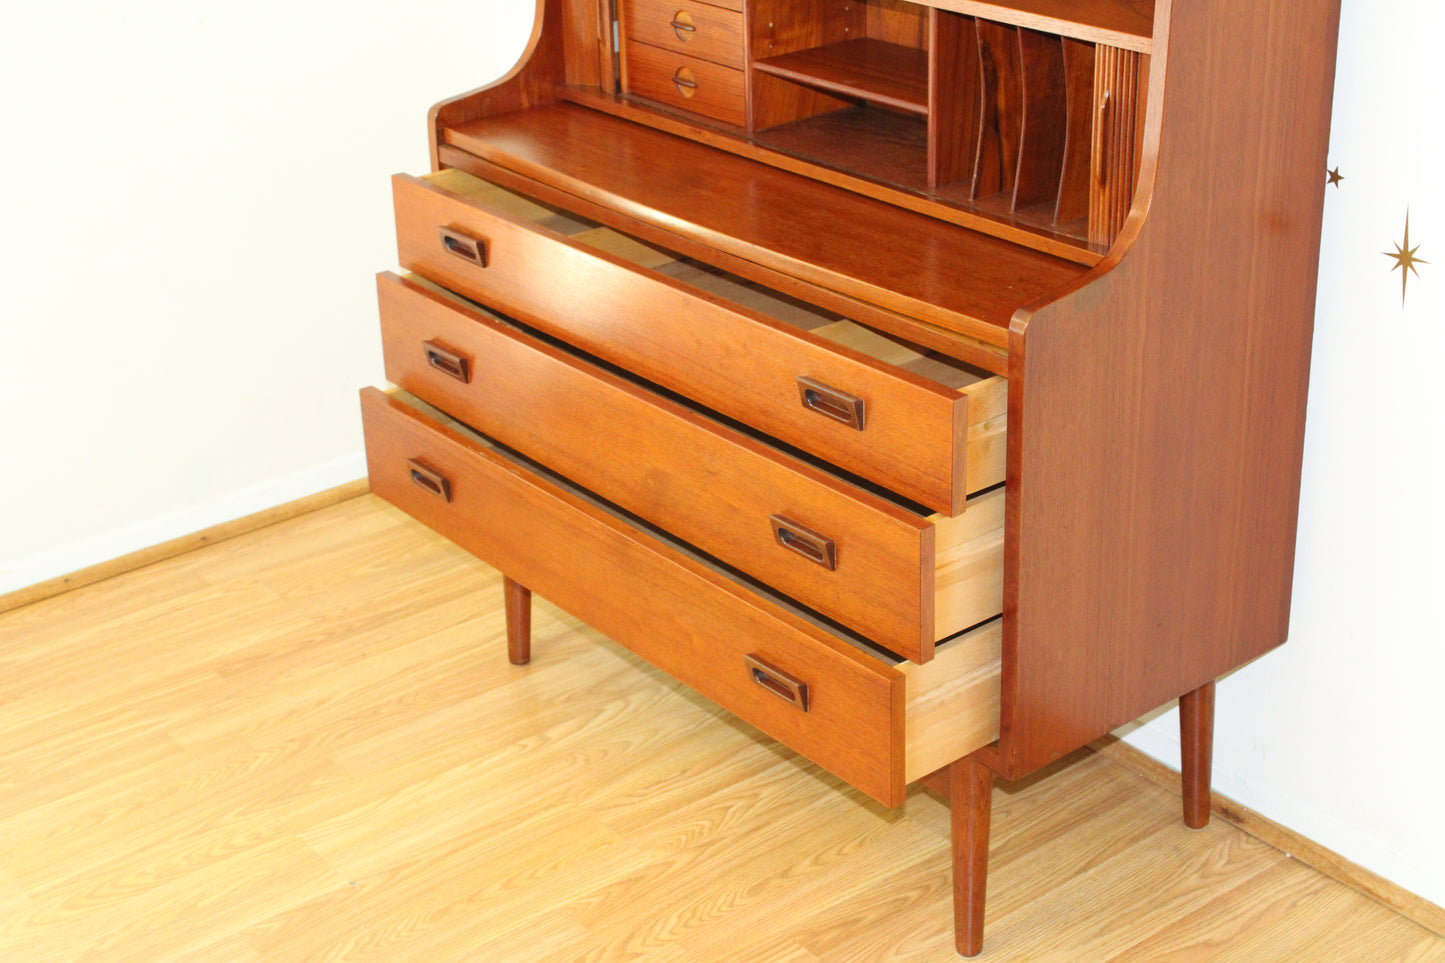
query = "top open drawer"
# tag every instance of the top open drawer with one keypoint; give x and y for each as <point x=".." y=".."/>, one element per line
<point x="927" y="427"/>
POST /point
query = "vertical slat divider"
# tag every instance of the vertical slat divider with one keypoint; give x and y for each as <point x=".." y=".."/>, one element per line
<point x="1073" y="204"/>
<point x="1043" y="124"/>
<point x="606" y="14"/>
<point x="1116" y="98"/>
<point x="1123" y="162"/>
<point x="1141" y="108"/>
<point x="1001" y="114"/>
<point x="953" y="99"/>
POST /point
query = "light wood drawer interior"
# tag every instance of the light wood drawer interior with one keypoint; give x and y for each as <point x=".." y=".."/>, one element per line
<point x="696" y="29"/>
<point x="872" y="720"/>
<point x="932" y="428"/>
<point x="687" y="83"/>
<point x="891" y="570"/>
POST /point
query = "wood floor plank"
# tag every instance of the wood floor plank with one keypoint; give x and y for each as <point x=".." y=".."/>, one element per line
<point x="124" y="920"/>
<point x="1428" y="949"/>
<point x="1338" y="925"/>
<point x="306" y="744"/>
<point x="1132" y="894"/>
<point x="1281" y="891"/>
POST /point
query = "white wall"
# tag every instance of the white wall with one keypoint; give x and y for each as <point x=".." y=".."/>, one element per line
<point x="195" y="197"/>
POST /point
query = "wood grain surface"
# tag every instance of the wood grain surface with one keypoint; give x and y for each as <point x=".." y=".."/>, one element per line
<point x="705" y="482"/>
<point x="306" y="744"/>
<point x="731" y="358"/>
<point x="1208" y="305"/>
<point x="875" y="252"/>
<point x="871" y="70"/>
<point x="700" y="30"/>
<point x="685" y="83"/>
<point x="585" y="558"/>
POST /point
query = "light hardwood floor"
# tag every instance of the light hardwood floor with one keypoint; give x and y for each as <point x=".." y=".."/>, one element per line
<point x="306" y="744"/>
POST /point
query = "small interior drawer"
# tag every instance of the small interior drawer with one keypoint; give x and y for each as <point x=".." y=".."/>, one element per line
<point x="889" y="569"/>
<point x="698" y="30"/>
<point x="927" y="427"/>
<point x="684" y="82"/>
<point x="870" y="719"/>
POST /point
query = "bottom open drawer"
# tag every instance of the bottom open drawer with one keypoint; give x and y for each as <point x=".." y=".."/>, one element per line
<point x="870" y="718"/>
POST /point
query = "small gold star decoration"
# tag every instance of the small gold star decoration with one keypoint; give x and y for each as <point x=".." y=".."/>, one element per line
<point x="1405" y="259"/>
<point x="1335" y="177"/>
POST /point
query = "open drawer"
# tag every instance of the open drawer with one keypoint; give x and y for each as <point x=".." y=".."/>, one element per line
<point x="882" y="566"/>
<point x="871" y="719"/>
<point x="927" y="427"/>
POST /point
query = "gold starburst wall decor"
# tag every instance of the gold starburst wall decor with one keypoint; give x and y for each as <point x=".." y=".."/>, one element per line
<point x="1335" y="177"/>
<point x="1405" y="259"/>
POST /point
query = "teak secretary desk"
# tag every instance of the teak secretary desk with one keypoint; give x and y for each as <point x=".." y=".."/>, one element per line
<point x="924" y="382"/>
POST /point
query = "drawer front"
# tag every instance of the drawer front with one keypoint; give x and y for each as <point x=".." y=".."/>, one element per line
<point x="730" y="359"/>
<point x="856" y="558"/>
<point x="729" y="644"/>
<point x="684" y="82"/>
<point x="695" y="29"/>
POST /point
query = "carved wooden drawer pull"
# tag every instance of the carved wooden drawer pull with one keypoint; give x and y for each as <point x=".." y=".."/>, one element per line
<point x="786" y="687"/>
<point x="831" y="403"/>
<point x="464" y="246"/>
<point x="806" y="542"/>
<point x="447" y="361"/>
<point x="426" y="477"/>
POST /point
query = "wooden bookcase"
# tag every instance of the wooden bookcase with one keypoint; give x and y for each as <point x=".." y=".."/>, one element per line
<point x="1015" y="117"/>
<point x="924" y="382"/>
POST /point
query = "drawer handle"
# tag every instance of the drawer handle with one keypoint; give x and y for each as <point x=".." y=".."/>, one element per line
<point x="779" y="683"/>
<point x="464" y="246"/>
<point x="806" y="542"/>
<point x="424" y="476"/>
<point x="832" y="403"/>
<point x="685" y="81"/>
<point x="448" y="362"/>
<point x="683" y="26"/>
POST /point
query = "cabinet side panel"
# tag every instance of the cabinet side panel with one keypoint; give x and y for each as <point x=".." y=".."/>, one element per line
<point x="1157" y="412"/>
<point x="531" y="82"/>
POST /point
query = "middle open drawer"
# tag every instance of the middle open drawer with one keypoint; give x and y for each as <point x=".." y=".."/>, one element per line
<point x="877" y="564"/>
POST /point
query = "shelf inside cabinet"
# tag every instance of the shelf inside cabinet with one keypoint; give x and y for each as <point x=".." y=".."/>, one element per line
<point x="871" y="70"/>
<point x="887" y="147"/>
<point x="1126" y="24"/>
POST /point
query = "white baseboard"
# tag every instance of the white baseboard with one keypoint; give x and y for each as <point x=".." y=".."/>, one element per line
<point x="23" y="572"/>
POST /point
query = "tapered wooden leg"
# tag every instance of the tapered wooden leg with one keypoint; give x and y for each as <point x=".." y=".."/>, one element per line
<point x="970" y="800"/>
<point x="519" y="621"/>
<point x="1196" y="739"/>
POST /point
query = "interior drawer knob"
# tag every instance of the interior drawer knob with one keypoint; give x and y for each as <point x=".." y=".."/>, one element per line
<point x="832" y="403"/>
<point x="426" y="477"/>
<point x="460" y="244"/>
<point x="683" y="26"/>
<point x="806" y="542"/>
<point x="685" y="81"/>
<point x="787" y="687"/>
